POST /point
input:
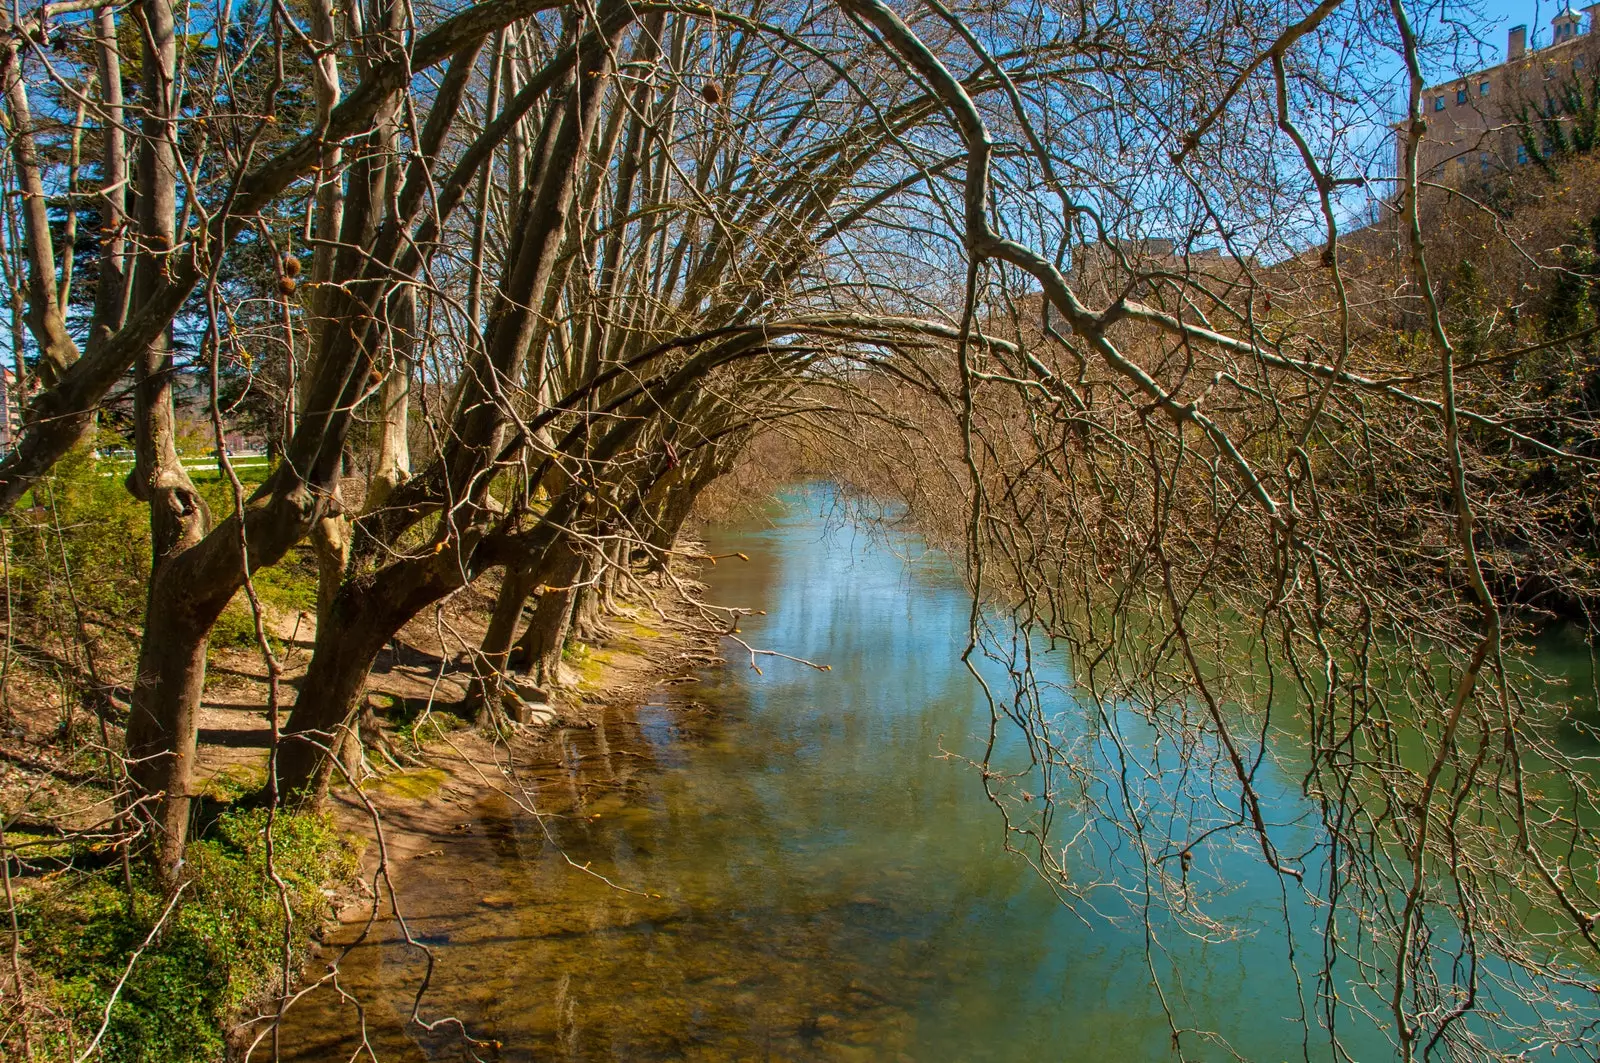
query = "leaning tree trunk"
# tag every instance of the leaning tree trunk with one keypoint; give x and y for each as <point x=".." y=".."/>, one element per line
<point x="394" y="448"/>
<point x="190" y="590"/>
<point x="615" y="582"/>
<point x="362" y="618"/>
<point x="588" y="622"/>
<point x="488" y="686"/>
<point x="376" y="605"/>
<point x="538" y="652"/>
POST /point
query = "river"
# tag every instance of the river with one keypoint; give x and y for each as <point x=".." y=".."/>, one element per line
<point x="795" y="868"/>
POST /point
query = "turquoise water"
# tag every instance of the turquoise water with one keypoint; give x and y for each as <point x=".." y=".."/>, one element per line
<point x="802" y="864"/>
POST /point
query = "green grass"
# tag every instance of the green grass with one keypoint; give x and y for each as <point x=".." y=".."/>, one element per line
<point x="217" y="952"/>
<point x="103" y="547"/>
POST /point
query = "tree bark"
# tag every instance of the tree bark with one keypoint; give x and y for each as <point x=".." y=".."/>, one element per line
<point x="111" y="294"/>
<point x="372" y="607"/>
<point x="394" y="444"/>
<point x="44" y="315"/>
<point x="538" y="651"/>
<point x="367" y="614"/>
<point x="488" y="687"/>
<point x="160" y="744"/>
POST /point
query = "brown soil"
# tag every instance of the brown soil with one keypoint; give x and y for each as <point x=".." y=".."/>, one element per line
<point x="422" y="809"/>
<point x="422" y="675"/>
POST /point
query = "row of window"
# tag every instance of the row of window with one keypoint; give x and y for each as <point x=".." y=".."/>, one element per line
<point x="1462" y="93"/>
<point x="1487" y="163"/>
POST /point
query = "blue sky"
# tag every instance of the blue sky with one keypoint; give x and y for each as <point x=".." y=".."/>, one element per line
<point x="1494" y="17"/>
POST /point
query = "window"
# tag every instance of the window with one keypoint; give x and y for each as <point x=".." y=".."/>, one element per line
<point x="1483" y="88"/>
<point x="1577" y="64"/>
<point x="1522" y="154"/>
<point x="1438" y="103"/>
<point x="1461" y="95"/>
<point x="1483" y="162"/>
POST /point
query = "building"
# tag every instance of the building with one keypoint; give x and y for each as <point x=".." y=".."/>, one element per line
<point x="1474" y="120"/>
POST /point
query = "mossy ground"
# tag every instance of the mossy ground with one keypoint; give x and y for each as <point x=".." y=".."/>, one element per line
<point x="415" y="785"/>
<point x="589" y="662"/>
<point x="220" y="948"/>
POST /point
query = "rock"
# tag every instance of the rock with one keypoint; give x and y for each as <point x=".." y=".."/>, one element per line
<point x="380" y="703"/>
<point x="528" y="691"/>
<point x="529" y="712"/>
<point x="499" y="900"/>
<point x="536" y="714"/>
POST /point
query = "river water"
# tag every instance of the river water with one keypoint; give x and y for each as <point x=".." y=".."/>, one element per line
<point x="795" y="868"/>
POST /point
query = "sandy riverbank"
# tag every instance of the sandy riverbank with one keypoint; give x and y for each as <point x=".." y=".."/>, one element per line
<point x="424" y="811"/>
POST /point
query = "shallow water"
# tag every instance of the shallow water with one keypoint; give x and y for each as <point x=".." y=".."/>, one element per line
<point x="794" y="869"/>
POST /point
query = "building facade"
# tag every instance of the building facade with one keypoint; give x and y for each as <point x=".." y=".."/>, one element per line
<point x="1474" y="121"/>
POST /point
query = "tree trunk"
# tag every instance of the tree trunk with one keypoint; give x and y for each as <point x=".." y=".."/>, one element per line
<point x="367" y="613"/>
<point x="111" y="295"/>
<point x="330" y="542"/>
<point x="588" y="621"/>
<point x="160" y="744"/>
<point x="362" y="620"/>
<point x="538" y="652"/>
<point x="483" y="696"/>
<point x="161" y="740"/>
<point x="394" y="446"/>
<point x="49" y="327"/>
<point x="371" y="608"/>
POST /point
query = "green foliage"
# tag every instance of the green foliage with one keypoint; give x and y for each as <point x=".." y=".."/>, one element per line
<point x="104" y="541"/>
<point x="1574" y="292"/>
<point x="1466" y="301"/>
<point x="82" y="523"/>
<point x="290" y="586"/>
<point x="219" y="950"/>
<point x="1567" y="124"/>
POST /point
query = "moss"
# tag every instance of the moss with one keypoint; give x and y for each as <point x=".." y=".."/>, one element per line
<point x="219" y="950"/>
<point x="589" y="662"/>
<point x="592" y="669"/>
<point x="418" y="728"/>
<point x="415" y="785"/>
<point x="234" y="782"/>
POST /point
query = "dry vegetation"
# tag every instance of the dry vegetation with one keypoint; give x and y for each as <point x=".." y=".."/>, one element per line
<point x="509" y="292"/>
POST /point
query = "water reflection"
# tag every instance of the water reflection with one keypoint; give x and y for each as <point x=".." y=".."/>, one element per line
<point x="811" y="878"/>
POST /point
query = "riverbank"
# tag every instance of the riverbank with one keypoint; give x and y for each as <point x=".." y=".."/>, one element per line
<point x="460" y="766"/>
<point x="431" y="806"/>
<point x="99" y="955"/>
